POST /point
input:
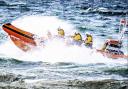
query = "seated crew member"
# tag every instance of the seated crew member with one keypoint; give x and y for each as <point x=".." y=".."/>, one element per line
<point x="61" y="32"/>
<point x="77" y="39"/>
<point x="113" y="46"/>
<point x="89" y="40"/>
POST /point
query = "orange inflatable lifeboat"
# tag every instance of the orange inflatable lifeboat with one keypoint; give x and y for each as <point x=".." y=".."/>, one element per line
<point x="22" y="39"/>
<point x="112" y="49"/>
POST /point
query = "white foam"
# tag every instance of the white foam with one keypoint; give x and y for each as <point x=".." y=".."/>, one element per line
<point x="40" y="25"/>
<point x="55" y="50"/>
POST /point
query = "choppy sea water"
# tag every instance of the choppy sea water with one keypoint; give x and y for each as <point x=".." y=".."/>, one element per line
<point x="57" y="62"/>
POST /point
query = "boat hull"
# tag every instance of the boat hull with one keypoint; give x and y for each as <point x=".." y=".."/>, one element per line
<point x="22" y="39"/>
<point x="113" y="56"/>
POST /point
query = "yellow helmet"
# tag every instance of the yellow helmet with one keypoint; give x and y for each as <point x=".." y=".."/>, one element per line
<point x="77" y="36"/>
<point x="61" y="32"/>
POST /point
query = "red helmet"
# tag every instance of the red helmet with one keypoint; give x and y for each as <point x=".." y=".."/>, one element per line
<point x="111" y="41"/>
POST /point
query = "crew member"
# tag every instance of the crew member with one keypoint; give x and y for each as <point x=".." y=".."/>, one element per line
<point x="113" y="46"/>
<point x="89" y="40"/>
<point x="77" y="38"/>
<point x="61" y="32"/>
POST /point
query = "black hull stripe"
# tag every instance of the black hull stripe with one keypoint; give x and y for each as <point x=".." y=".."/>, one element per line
<point x="18" y="32"/>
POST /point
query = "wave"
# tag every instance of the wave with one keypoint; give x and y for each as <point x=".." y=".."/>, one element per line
<point x="9" y="77"/>
<point x="12" y="63"/>
<point x="3" y="3"/>
<point x="106" y="11"/>
<point x="10" y="60"/>
<point x="120" y="71"/>
<point x="67" y="84"/>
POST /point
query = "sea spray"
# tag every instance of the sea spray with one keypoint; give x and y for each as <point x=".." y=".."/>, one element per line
<point x="40" y="25"/>
<point x="55" y="50"/>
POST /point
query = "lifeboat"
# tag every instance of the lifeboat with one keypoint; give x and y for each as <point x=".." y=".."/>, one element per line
<point x="112" y="49"/>
<point x="26" y="41"/>
<point x="22" y="39"/>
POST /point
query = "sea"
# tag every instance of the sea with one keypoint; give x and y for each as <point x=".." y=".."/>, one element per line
<point x="58" y="64"/>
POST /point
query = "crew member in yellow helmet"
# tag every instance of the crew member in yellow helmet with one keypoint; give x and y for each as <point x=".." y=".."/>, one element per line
<point x="77" y="38"/>
<point x="61" y="32"/>
<point x="89" y="40"/>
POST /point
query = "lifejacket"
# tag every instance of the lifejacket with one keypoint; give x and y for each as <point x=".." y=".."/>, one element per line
<point x="89" y="39"/>
<point x="77" y="37"/>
